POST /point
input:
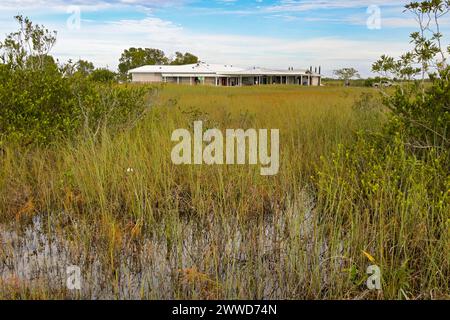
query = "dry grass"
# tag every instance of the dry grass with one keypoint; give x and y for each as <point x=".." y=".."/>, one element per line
<point x="201" y="232"/>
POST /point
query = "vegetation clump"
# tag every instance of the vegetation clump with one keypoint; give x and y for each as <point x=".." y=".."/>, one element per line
<point x="364" y="180"/>
<point x="43" y="101"/>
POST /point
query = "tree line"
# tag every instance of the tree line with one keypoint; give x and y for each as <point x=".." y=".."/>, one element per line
<point x="30" y="47"/>
<point x="131" y="58"/>
<point x="43" y="100"/>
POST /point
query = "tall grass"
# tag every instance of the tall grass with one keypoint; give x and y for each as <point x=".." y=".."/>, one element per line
<point x="225" y="231"/>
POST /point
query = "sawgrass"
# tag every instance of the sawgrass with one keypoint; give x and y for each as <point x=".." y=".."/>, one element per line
<point x="223" y="231"/>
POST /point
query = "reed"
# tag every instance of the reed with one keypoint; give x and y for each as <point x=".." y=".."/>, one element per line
<point x="141" y="227"/>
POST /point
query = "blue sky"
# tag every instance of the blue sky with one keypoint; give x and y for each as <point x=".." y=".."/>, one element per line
<point x="266" y="33"/>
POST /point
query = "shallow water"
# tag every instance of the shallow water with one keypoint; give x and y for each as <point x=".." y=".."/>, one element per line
<point x="216" y="258"/>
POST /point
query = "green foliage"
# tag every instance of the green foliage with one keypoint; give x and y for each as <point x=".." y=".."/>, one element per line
<point x="109" y="107"/>
<point x="392" y="187"/>
<point x="421" y="109"/>
<point x="346" y="74"/>
<point x="29" y="41"/>
<point x="186" y="58"/>
<point x="138" y="57"/>
<point x="36" y="105"/>
<point x="422" y="116"/>
<point x="392" y="204"/>
<point x="85" y="68"/>
<point x="103" y="75"/>
<point x="41" y="102"/>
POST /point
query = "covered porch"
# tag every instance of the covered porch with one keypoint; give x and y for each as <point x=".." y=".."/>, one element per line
<point x="246" y="80"/>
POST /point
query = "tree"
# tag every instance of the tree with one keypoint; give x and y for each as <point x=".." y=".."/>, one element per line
<point x="41" y="101"/>
<point x="85" y="68"/>
<point x="346" y="74"/>
<point x="420" y="110"/>
<point x="138" y="57"/>
<point x="103" y="75"/>
<point x="29" y="41"/>
<point x="187" y="58"/>
<point x="44" y="62"/>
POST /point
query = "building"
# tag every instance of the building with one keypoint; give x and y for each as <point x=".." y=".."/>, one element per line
<point x="224" y="75"/>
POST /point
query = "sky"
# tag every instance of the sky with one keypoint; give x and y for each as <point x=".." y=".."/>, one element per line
<point x="266" y="33"/>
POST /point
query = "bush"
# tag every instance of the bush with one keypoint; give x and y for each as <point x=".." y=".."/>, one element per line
<point x="389" y="194"/>
<point x="379" y="198"/>
<point x="423" y="115"/>
<point x="110" y="106"/>
<point x="41" y="102"/>
<point x="103" y="75"/>
<point x="37" y="105"/>
<point x="41" y="106"/>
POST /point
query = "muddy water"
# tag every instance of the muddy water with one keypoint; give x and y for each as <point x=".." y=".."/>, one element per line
<point x="212" y="259"/>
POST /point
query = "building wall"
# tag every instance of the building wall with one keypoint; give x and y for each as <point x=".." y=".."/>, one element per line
<point x="146" y="77"/>
<point x="315" y="81"/>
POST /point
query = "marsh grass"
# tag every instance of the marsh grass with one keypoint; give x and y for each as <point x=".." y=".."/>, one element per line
<point x="141" y="227"/>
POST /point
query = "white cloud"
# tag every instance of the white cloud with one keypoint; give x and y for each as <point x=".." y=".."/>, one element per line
<point x="307" y="5"/>
<point x="103" y="44"/>
<point x="86" y="4"/>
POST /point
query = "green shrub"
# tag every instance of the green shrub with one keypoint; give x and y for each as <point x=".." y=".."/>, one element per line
<point x="423" y="115"/>
<point x="379" y="198"/>
<point x="389" y="194"/>
<point x="36" y="105"/>
<point x="41" y="102"/>
<point x="108" y="106"/>
<point x="103" y="75"/>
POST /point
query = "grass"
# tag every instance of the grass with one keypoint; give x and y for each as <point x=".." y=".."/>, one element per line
<point x="161" y="231"/>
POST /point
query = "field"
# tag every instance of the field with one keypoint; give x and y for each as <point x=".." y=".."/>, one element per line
<point x="139" y="226"/>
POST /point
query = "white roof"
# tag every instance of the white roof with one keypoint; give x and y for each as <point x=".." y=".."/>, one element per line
<point x="170" y="75"/>
<point x="187" y="68"/>
<point x="205" y="69"/>
<point x="269" y="72"/>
